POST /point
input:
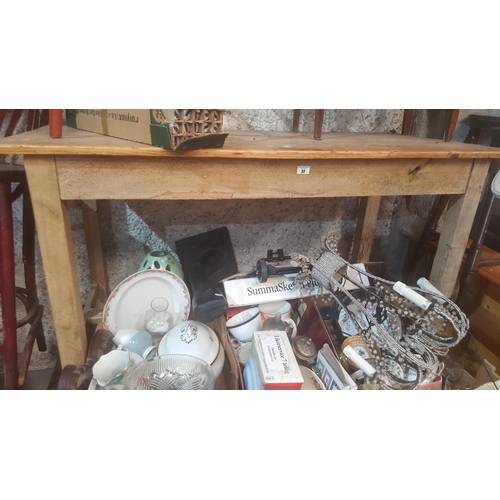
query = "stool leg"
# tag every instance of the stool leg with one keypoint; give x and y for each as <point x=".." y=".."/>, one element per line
<point x="7" y="287"/>
<point x="318" y="123"/>
<point x="408" y="121"/>
<point x="296" y="119"/>
<point x="55" y="123"/>
<point x="477" y="235"/>
<point x="29" y="262"/>
<point x="28" y="349"/>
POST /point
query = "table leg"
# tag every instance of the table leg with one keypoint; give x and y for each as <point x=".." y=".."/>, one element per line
<point x="365" y="228"/>
<point x="94" y="248"/>
<point x="456" y="229"/>
<point x="58" y="257"/>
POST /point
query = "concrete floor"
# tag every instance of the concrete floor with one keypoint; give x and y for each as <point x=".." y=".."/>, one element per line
<point x="36" y="380"/>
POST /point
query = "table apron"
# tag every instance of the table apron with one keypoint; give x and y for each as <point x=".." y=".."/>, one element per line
<point x="97" y="177"/>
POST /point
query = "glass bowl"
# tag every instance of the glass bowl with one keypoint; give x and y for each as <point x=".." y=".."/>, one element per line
<point x="170" y="372"/>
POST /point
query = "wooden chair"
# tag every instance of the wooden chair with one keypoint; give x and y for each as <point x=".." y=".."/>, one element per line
<point x="409" y="118"/>
<point x="448" y="130"/>
<point x="318" y="122"/>
<point x="14" y="174"/>
<point x="481" y="131"/>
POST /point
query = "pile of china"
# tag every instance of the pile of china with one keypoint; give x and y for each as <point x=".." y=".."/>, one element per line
<point x="157" y="346"/>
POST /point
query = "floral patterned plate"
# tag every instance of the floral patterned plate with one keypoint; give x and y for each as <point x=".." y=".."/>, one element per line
<point x="131" y="299"/>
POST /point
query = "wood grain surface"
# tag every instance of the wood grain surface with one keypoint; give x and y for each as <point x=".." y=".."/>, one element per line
<point x="59" y="262"/>
<point x="189" y="179"/>
<point x="365" y="228"/>
<point x="456" y="229"/>
<point x="251" y="144"/>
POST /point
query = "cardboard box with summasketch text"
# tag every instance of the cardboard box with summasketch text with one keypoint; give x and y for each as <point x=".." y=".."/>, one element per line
<point x="250" y="291"/>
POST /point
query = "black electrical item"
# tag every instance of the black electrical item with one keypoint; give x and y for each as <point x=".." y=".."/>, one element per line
<point x="264" y="270"/>
<point x="207" y="259"/>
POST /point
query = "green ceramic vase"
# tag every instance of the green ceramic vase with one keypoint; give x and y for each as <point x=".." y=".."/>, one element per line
<point x="161" y="259"/>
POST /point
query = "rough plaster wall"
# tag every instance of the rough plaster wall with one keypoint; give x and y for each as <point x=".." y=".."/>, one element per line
<point x="130" y="229"/>
<point x="254" y="226"/>
<point x="335" y="120"/>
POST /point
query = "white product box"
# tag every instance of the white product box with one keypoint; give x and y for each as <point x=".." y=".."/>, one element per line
<point x="249" y="291"/>
<point x="276" y="365"/>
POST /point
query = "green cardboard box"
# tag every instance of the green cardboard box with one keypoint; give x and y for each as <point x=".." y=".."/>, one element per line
<point x="176" y="129"/>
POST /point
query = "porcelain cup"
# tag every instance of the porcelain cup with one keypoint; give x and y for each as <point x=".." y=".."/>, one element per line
<point x="140" y="342"/>
<point x="243" y="325"/>
<point x="111" y="366"/>
<point x="123" y="335"/>
<point x="269" y="309"/>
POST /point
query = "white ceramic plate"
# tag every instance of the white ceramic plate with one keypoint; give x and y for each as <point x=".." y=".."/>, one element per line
<point x="311" y="381"/>
<point x="346" y="323"/>
<point x="131" y="299"/>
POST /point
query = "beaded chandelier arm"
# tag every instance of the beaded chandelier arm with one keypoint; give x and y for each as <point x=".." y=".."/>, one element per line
<point x="428" y="322"/>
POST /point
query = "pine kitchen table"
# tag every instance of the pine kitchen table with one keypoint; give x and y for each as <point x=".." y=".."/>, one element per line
<point x="251" y="165"/>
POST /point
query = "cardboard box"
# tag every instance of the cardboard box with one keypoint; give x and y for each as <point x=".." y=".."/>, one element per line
<point x="277" y="367"/>
<point x="231" y="377"/>
<point x="177" y="129"/>
<point x="249" y="291"/>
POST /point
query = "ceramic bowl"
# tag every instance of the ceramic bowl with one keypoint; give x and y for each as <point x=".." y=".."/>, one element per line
<point x="243" y="325"/>
<point x="192" y="338"/>
<point x="269" y="309"/>
<point x="111" y="366"/>
<point x="161" y="259"/>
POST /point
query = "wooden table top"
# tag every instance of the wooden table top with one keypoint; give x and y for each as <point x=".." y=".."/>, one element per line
<point x="252" y="144"/>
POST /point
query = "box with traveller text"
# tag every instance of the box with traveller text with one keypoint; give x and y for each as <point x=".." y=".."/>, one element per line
<point x="277" y="367"/>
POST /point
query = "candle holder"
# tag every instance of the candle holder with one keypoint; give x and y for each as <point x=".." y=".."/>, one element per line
<point x="158" y="319"/>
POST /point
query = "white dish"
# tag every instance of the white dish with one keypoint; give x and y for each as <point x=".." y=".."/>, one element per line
<point x="243" y="325"/>
<point x="346" y="323"/>
<point x="192" y="338"/>
<point x="131" y="299"/>
<point x="311" y="381"/>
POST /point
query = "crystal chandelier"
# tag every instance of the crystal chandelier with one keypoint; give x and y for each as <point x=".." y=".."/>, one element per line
<point x="404" y="328"/>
